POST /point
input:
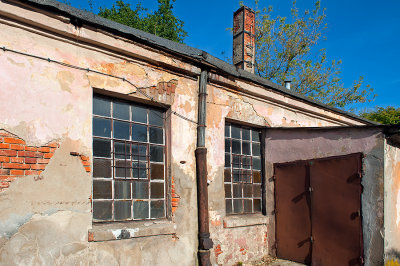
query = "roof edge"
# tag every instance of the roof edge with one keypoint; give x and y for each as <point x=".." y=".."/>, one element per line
<point x="199" y="56"/>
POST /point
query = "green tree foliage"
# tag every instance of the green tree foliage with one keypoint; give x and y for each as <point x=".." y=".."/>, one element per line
<point x="388" y="116"/>
<point x="162" y="22"/>
<point x="286" y="48"/>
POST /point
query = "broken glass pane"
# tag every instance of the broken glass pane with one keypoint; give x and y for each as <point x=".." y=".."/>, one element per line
<point x="122" y="210"/>
<point x="140" y="209"/>
<point x="101" y="106"/>
<point x="102" y="210"/>
<point x="121" y="110"/>
<point x="101" y="127"/>
<point x="121" y="130"/>
<point x="256" y="177"/>
<point x="157" y="209"/>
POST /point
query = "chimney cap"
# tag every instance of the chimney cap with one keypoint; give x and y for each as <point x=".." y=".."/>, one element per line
<point x="243" y="7"/>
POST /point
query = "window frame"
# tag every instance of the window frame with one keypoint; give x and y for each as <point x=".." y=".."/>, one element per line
<point x="229" y="197"/>
<point x="130" y="142"/>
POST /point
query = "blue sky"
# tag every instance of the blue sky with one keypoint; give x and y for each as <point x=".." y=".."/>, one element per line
<point x="364" y="34"/>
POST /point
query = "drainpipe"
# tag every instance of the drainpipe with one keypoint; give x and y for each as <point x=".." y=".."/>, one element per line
<point x="205" y="242"/>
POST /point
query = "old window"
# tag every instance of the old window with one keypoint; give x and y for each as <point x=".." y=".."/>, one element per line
<point x="242" y="174"/>
<point x="128" y="161"/>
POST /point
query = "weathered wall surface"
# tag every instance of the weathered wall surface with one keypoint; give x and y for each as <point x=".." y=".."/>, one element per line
<point x="229" y="233"/>
<point x="302" y="144"/>
<point x="45" y="197"/>
<point x="392" y="202"/>
<point x="45" y="208"/>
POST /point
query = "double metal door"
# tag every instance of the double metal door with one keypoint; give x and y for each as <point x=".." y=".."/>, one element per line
<point x="318" y="211"/>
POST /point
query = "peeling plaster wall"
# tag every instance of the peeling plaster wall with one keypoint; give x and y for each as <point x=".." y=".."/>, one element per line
<point x="303" y="144"/>
<point x="46" y="219"/>
<point x="392" y="202"/>
<point x="230" y="245"/>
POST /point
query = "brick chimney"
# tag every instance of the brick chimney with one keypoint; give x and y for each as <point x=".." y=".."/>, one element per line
<point x="244" y="38"/>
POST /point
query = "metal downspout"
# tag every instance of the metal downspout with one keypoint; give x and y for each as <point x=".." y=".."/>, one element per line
<point x="205" y="242"/>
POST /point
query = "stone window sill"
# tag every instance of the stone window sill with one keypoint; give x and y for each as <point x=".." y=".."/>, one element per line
<point x="232" y="221"/>
<point x="115" y="231"/>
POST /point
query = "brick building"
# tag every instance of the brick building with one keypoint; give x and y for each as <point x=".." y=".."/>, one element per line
<point x="118" y="147"/>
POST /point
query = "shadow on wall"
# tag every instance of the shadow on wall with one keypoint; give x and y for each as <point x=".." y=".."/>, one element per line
<point x="393" y="258"/>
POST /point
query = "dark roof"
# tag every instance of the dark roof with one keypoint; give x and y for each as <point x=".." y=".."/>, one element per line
<point x="196" y="55"/>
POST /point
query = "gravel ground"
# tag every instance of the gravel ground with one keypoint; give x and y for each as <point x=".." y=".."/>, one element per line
<point x="273" y="262"/>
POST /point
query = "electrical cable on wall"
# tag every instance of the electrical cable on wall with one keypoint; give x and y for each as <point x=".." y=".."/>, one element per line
<point x="105" y="74"/>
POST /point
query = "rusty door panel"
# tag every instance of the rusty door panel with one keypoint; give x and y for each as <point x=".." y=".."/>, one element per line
<point x="335" y="208"/>
<point x="292" y="207"/>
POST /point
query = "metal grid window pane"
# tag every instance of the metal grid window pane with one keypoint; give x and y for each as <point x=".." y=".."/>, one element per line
<point x="128" y="161"/>
<point x="242" y="175"/>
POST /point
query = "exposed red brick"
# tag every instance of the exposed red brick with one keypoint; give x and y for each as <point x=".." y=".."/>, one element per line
<point x="4" y="146"/>
<point x="38" y="166"/>
<point x="17" y="160"/>
<point x="30" y="154"/>
<point x="86" y="163"/>
<point x="4" y="159"/>
<point x="84" y="158"/>
<point x="217" y="250"/>
<point x="8" y="153"/>
<point x="31" y="172"/>
<point x="16" y="147"/>
<point x="88" y="169"/>
<point x="4" y="171"/>
<point x="48" y="155"/>
<point x="16" y="172"/>
<point x="29" y="148"/>
<point x="7" y="178"/>
<point x="44" y="149"/>
<point x="13" y="141"/>
<point x="15" y="166"/>
<point x="53" y="145"/>
<point x="4" y="184"/>
<point x="31" y="160"/>
<point x="90" y="237"/>
<point x="43" y="161"/>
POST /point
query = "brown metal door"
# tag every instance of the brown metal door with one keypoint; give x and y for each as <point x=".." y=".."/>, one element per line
<point x="336" y="211"/>
<point x="318" y="211"/>
<point x="292" y="208"/>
